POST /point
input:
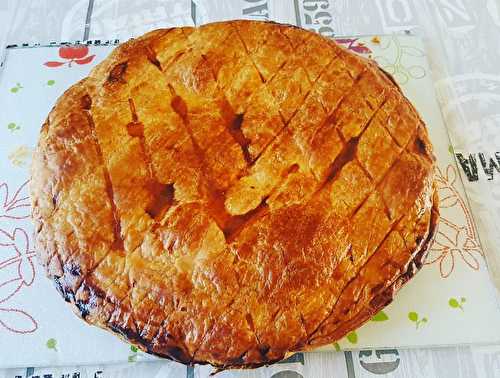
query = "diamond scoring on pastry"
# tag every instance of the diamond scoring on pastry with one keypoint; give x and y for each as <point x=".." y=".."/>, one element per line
<point x="231" y="193"/>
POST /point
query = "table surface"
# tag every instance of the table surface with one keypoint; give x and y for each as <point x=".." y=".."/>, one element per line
<point x="463" y="45"/>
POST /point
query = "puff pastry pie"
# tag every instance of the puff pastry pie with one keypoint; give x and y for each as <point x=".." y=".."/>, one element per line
<point x="232" y="193"/>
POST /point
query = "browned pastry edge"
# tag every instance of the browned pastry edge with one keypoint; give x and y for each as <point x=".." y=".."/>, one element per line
<point x="378" y="302"/>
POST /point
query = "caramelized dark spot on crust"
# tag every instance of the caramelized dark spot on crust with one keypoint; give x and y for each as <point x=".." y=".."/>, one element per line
<point x="264" y="349"/>
<point x="152" y="57"/>
<point x="83" y="307"/>
<point x="180" y="107"/>
<point x="135" y="129"/>
<point x="75" y="270"/>
<point x="117" y="229"/>
<point x="86" y="102"/>
<point x="177" y="354"/>
<point x="248" y="318"/>
<point x="133" y="111"/>
<point x="421" y="146"/>
<point x="293" y="169"/>
<point x="349" y="254"/>
<point x="68" y="297"/>
<point x="237" y="134"/>
<point x="163" y="199"/>
<point x="376" y="289"/>
<point x="381" y="300"/>
<point x="419" y="239"/>
<point x="45" y="126"/>
<point x="94" y="296"/>
<point x="347" y="154"/>
<point x="238" y="360"/>
<point x="117" y="73"/>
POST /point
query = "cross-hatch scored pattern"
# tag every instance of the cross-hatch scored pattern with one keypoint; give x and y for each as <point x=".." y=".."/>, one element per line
<point x="230" y="193"/>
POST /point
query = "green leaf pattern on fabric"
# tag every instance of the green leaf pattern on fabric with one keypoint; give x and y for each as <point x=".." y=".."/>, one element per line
<point x="415" y="318"/>
<point x="352" y="337"/>
<point x="16" y="88"/>
<point x="457" y="303"/>
<point x="12" y="127"/>
<point x="133" y="353"/>
<point x="51" y="344"/>
<point x="381" y="316"/>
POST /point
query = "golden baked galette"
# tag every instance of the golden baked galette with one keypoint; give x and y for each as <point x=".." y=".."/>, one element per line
<point x="232" y="193"/>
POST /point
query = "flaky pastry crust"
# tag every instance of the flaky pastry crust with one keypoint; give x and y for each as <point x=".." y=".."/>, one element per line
<point x="231" y="193"/>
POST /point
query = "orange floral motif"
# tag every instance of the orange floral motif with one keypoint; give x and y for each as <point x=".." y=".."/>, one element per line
<point x="70" y="54"/>
<point x="454" y="239"/>
<point x="354" y="45"/>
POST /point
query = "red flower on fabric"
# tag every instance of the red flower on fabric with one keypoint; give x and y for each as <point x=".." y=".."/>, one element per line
<point x="77" y="54"/>
<point x="354" y="45"/>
